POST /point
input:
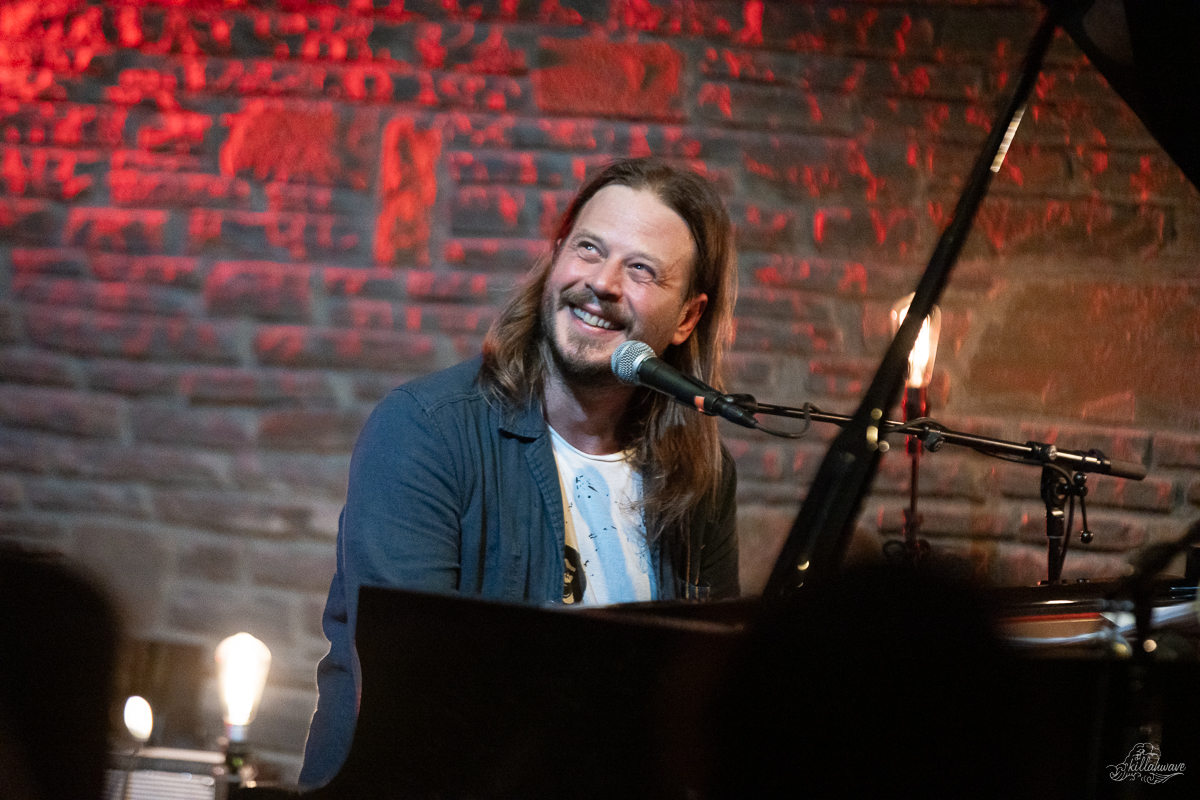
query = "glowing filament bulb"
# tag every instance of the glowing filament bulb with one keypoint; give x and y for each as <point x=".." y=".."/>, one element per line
<point x="920" y="360"/>
<point x="139" y="719"/>
<point x="242" y="666"/>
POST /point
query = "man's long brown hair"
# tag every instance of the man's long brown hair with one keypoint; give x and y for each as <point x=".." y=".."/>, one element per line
<point x="676" y="450"/>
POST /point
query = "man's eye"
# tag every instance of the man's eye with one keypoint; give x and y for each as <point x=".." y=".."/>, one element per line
<point x="642" y="272"/>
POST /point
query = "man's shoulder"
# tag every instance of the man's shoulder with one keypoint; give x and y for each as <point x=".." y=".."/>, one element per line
<point x="453" y="390"/>
<point x="451" y="399"/>
<point x="454" y="384"/>
<point x="430" y="401"/>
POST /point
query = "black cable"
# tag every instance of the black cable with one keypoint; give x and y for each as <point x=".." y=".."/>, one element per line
<point x="800" y="434"/>
<point x="918" y="426"/>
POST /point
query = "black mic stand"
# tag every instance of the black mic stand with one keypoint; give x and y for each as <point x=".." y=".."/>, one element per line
<point x="1064" y="473"/>
<point x="1059" y="486"/>
<point x="914" y="549"/>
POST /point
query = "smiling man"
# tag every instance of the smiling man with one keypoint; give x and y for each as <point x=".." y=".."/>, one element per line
<point x="532" y="474"/>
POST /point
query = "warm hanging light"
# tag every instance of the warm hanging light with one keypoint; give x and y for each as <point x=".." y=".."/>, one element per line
<point x="920" y="360"/>
<point x="139" y="719"/>
<point x="916" y="402"/>
<point x="242" y="666"/>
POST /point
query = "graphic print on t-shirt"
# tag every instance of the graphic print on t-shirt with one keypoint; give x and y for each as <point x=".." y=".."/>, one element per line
<point x="603" y="528"/>
<point x="594" y="503"/>
<point x="574" y="578"/>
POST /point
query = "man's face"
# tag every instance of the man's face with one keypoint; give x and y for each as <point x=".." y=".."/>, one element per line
<point x="621" y="274"/>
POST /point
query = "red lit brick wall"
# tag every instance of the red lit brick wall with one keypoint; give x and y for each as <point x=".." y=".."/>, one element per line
<point x="228" y="228"/>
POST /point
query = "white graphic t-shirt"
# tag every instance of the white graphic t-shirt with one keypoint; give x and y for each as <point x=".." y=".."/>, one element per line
<point x="607" y="559"/>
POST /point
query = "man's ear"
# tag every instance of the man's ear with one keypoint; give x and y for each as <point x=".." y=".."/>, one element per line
<point x="692" y="311"/>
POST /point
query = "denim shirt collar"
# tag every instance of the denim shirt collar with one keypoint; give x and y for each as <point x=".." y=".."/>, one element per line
<point x="525" y="422"/>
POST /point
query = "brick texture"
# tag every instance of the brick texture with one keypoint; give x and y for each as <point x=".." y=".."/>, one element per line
<point x="227" y="229"/>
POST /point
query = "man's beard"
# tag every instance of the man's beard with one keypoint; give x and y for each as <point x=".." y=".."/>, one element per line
<point x="577" y="372"/>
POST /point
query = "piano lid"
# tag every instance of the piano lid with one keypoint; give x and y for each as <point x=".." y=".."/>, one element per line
<point x="1149" y="52"/>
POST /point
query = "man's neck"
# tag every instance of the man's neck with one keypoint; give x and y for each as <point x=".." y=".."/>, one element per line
<point x="589" y="418"/>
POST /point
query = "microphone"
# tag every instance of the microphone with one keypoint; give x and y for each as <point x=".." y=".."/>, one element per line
<point x="635" y="364"/>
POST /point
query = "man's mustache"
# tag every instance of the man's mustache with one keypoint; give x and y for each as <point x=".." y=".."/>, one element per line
<point x="586" y="297"/>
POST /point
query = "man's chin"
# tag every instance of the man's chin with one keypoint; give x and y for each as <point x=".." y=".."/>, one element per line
<point x="588" y="369"/>
<point x="586" y="374"/>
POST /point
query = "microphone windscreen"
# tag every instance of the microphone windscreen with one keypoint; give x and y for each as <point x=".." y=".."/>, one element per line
<point x="627" y="358"/>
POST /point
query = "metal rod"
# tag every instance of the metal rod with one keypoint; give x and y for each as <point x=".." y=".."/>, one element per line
<point x="1031" y="452"/>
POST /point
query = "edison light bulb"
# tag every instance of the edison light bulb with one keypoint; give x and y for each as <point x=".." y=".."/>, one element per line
<point x="920" y="360"/>
<point x="139" y="719"/>
<point x="242" y="666"/>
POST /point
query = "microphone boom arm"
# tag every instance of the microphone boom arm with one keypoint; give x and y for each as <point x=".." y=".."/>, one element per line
<point x="934" y="435"/>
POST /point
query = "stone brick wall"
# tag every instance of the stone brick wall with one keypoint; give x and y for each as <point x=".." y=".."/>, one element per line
<point x="228" y="228"/>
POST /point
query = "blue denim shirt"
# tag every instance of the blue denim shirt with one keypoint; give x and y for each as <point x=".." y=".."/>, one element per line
<point x="451" y="493"/>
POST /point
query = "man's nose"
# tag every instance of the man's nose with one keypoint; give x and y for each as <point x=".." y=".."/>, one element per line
<point x="606" y="277"/>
